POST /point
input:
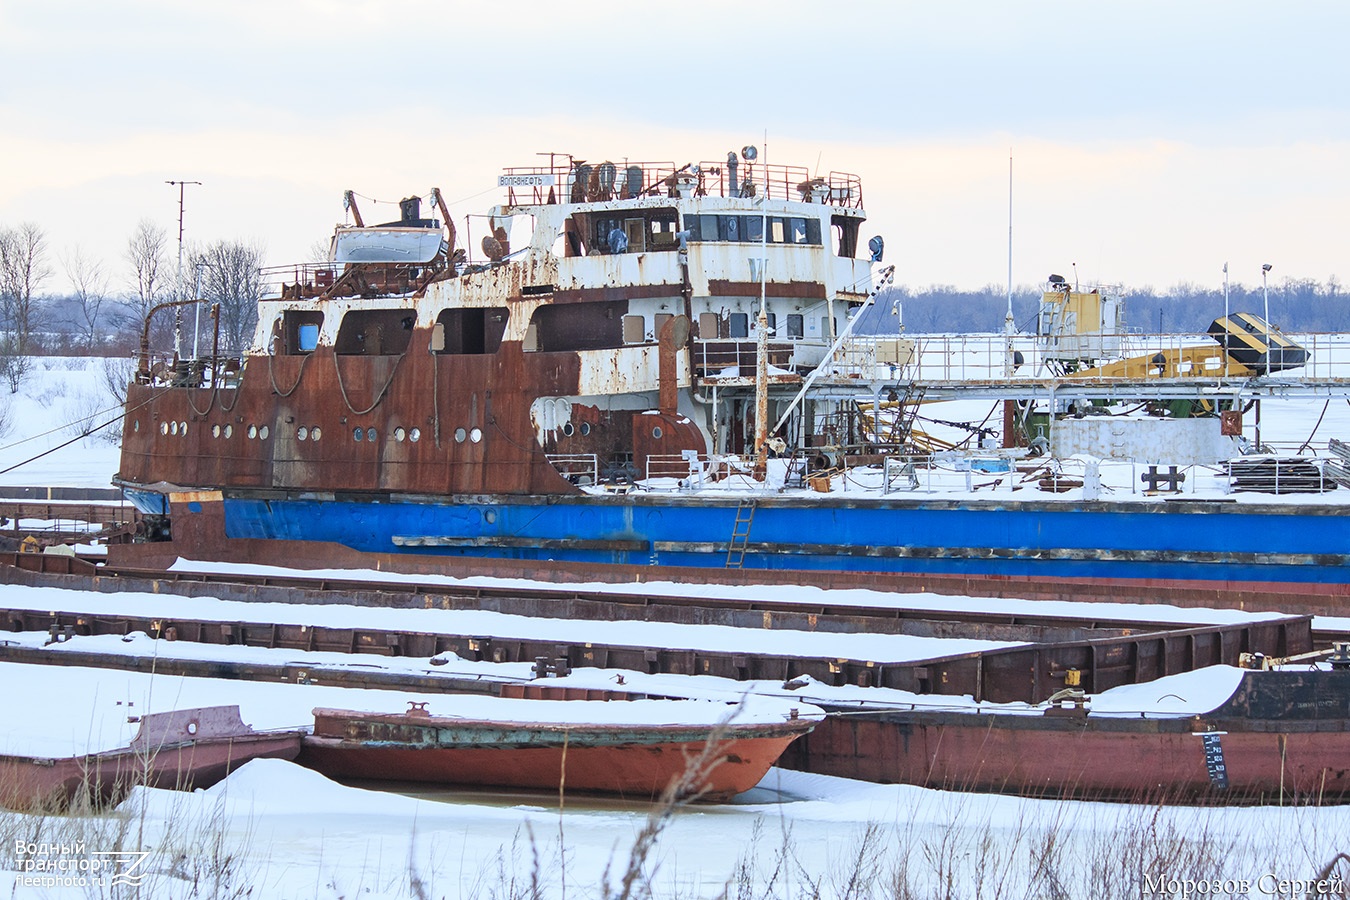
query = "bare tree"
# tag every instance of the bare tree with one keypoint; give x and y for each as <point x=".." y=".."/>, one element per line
<point x="23" y="268"/>
<point x="145" y="255"/>
<point x="89" y="287"/>
<point x="231" y="278"/>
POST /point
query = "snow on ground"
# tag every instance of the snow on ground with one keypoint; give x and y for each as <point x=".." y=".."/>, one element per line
<point x="285" y="832"/>
<point x="57" y="400"/>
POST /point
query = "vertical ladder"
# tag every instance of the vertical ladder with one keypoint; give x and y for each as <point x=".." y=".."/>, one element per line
<point x="740" y="533"/>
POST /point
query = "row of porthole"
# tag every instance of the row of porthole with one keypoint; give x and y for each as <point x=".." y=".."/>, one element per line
<point x="256" y="432"/>
<point x="568" y="430"/>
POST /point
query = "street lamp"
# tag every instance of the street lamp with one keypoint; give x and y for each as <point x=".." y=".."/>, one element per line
<point x="1265" y="294"/>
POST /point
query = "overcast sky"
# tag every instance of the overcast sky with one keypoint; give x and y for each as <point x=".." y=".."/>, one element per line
<point x="1152" y="141"/>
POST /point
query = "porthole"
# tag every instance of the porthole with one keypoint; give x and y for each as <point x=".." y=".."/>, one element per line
<point x="182" y="428"/>
<point x="215" y="431"/>
<point x="476" y="435"/>
<point x="229" y="431"/>
<point x="315" y="433"/>
<point x="460" y="434"/>
<point x="656" y="432"/>
<point x="415" y="435"/>
<point x="252" y="432"/>
<point x="163" y="427"/>
<point x="490" y="516"/>
<point x="370" y="435"/>
<point x="567" y="429"/>
<point x="358" y="433"/>
<point x="135" y="424"/>
<point x="173" y="428"/>
<point x="302" y="433"/>
<point x="262" y="432"/>
<point x="399" y="434"/>
<point x="585" y="428"/>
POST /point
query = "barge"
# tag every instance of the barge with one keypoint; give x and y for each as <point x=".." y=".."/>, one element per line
<point x="650" y="748"/>
<point x="1279" y="737"/>
<point x="183" y="749"/>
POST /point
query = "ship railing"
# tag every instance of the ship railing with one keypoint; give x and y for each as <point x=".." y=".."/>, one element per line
<point x="717" y="357"/>
<point x="298" y="280"/>
<point x="690" y="470"/>
<point x="164" y="368"/>
<point x="306" y="281"/>
<point x="1273" y="472"/>
<point x="994" y="357"/>
<point x="565" y="180"/>
<point x="581" y="469"/>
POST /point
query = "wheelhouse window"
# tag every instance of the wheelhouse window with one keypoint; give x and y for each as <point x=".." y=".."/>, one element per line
<point x="469" y="331"/>
<point x="845" y="236"/>
<point x="795" y="325"/>
<point x="617" y="232"/>
<point x="375" y="332"/>
<point x="750" y="229"/>
<point x="739" y="325"/>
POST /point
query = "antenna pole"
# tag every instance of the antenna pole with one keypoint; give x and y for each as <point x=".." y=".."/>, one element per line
<point x="178" y="285"/>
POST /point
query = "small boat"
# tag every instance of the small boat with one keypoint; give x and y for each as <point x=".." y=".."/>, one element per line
<point x="714" y="754"/>
<point x="183" y="749"/>
<point x="1280" y="737"/>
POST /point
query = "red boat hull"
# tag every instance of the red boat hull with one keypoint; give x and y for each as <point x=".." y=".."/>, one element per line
<point x="987" y="753"/>
<point x="182" y="750"/>
<point x="590" y="758"/>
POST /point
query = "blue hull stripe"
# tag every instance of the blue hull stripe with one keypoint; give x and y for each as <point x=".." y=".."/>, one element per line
<point x="1216" y="542"/>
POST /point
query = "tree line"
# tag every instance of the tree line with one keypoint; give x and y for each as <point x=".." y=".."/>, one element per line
<point x="1296" y="305"/>
<point x="102" y="309"/>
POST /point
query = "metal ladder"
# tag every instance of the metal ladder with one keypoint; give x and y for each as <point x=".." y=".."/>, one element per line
<point x="740" y="533"/>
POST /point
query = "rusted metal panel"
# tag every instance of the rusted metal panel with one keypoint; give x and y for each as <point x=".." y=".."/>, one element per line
<point x="1030" y="673"/>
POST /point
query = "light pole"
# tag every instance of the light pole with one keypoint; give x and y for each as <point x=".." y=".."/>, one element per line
<point x="178" y="285"/>
<point x="1265" y="294"/>
<point x="1225" y="318"/>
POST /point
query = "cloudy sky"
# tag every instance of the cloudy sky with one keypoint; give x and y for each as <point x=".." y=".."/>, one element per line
<point x="1152" y="141"/>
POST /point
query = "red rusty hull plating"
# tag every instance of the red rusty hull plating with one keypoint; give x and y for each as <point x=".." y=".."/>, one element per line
<point x="586" y="758"/>
<point x="1081" y="762"/>
<point x="1282" y="735"/>
<point x="29" y="783"/>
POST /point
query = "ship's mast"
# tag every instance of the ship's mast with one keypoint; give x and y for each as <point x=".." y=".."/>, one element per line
<point x="762" y="344"/>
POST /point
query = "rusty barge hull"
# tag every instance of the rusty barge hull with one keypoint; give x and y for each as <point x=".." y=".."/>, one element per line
<point x="181" y="750"/>
<point x="630" y="761"/>
<point x="1282" y="736"/>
